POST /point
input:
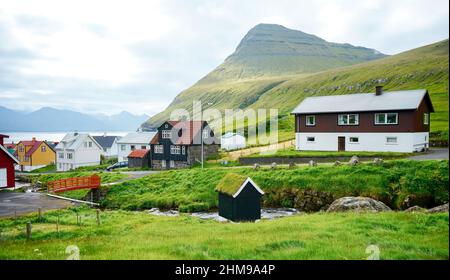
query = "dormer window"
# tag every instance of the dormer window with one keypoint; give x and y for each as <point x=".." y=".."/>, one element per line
<point x="348" y="119"/>
<point x="310" y="120"/>
<point x="386" y="118"/>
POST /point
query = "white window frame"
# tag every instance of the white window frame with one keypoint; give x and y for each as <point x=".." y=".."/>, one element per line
<point x="386" y="119"/>
<point x="163" y="163"/>
<point x="309" y="141"/>
<point x="123" y="147"/>
<point x="61" y="155"/>
<point x="313" y="117"/>
<point x="183" y="150"/>
<point x="175" y="149"/>
<point x="426" y="118"/>
<point x="205" y="134"/>
<point x="392" y="143"/>
<point x="90" y="144"/>
<point x="172" y="164"/>
<point x="69" y="156"/>
<point x="43" y="149"/>
<point x="159" y="149"/>
<point x="165" y="134"/>
<point x="353" y="142"/>
<point x="348" y="119"/>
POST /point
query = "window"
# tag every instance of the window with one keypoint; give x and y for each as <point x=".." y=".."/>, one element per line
<point x="183" y="150"/>
<point x="386" y="118"/>
<point x="172" y="164"/>
<point x="21" y="149"/>
<point x="163" y="163"/>
<point x="391" y="140"/>
<point x="310" y="120"/>
<point x="354" y="139"/>
<point x="60" y="166"/>
<point x="175" y="150"/>
<point x="205" y="133"/>
<point x="133" y="147"/>
<point x="311" y="139"/>
<point x="60" y="155"/>
<point x="166" y="134"/>
<point x="90" y="144"/>
<point x="26" y="158"/>
<point x="144" y="147"/>
<point x="69" y="155"/>
<point x="159" y="149"/>
<point x="348" y="119"/>
<point x="123" y="147"/>
<point x="85" y="144"/>
<point x="43" y="149"/>
<point x="426" y="119"/>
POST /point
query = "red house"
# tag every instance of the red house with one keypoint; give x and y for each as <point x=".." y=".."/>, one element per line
<point x="7" y="161"/>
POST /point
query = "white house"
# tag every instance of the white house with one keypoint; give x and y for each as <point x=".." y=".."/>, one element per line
<point x="397" y="121"/>
<point x="133" y="141"/>
<point x="109" y="144"/>
<point x="75" y="150"/>
<point x="232" y="141"/>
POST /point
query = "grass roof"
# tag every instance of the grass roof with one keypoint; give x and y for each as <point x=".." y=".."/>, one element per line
<point x="231" y="183"/>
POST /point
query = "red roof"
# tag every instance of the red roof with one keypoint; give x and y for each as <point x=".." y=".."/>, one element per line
<point x="34" y="144"/>
<point x="10" y="146"/>
<point x="187" y="137"/>
<point x="140" y="153"/>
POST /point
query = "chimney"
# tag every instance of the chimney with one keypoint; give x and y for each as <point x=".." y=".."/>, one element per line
<point x="378" y="90"/>
<point x="33" y="139"/>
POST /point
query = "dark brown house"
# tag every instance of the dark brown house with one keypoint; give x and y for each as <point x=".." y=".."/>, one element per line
<point x="397" y="121"/>
<point x="178" y="144"/>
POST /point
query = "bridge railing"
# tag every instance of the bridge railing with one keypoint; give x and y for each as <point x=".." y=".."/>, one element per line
<point x="75" y="183"/>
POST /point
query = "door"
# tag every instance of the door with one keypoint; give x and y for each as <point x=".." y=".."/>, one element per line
<point x="341" y="143"/>
<point x="3" y="178"/>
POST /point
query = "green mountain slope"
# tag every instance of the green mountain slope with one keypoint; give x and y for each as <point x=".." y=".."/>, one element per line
<point x="425" y="67"/>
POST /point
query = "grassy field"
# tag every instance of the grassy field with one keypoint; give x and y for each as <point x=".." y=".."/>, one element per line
<point x="138" y="235"/>
<point x="192" y="190"/>
<point x="292" y="153"/>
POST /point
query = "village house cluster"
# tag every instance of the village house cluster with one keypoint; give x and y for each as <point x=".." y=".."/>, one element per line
<point x="382" y="121"/>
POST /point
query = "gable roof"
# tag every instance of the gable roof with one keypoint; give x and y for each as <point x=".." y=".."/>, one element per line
<point x="33" y="145"/>
<point x="9" y="154"/>
<point x="105" y="141"/>
<point x="73" y="141"/>
<point x="139" y="153"/>
<point x="232" y="184"/>
<point x="190" y="132"/>
<point x="137" y="138"/>
<point x="363" y="102"/>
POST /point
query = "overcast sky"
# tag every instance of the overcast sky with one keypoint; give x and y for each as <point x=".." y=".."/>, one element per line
<point x="107" y="56"/>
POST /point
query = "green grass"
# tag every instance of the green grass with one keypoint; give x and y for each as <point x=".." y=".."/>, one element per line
<point x="138" y="235"/>
<point x="193" y="189"/>
<point x="425" y="67"/>
<point x="292" y="153"/>
<point x="48" y="168"/>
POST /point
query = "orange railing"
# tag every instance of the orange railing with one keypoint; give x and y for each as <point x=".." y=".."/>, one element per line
<point x="68" y="184"/>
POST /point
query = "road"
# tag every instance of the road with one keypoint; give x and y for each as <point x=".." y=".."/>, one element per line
<point x="22" y="203"/>
<point x="432" y="154"/>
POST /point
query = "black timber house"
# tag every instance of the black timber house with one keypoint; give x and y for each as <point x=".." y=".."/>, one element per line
<point x="178" y="144"/>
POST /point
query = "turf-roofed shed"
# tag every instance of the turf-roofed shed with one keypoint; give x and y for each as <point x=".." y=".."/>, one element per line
<point x="239" y="198"/>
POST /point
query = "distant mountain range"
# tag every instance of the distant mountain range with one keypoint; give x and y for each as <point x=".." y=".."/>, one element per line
<point x="277" y="67"/>
<point x="50" y="119"/>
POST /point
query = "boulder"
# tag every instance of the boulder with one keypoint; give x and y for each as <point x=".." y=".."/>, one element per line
<point x="337" y="163"/>
<point x="357" y="204"/>
<point x="416" y="209"/>
<point x="439" y="209"/>
<point x="256" y="166"/>
<point x="312" y="163"/>
<point x="354" y="161"/>
<point x="273" y="165"/>
<point x="378" y="161"/>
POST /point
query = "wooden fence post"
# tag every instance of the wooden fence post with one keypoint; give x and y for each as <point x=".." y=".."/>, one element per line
<point x="98" y="217"/>
<point x="28" y="230"/>
<point x="40" y="213"/>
